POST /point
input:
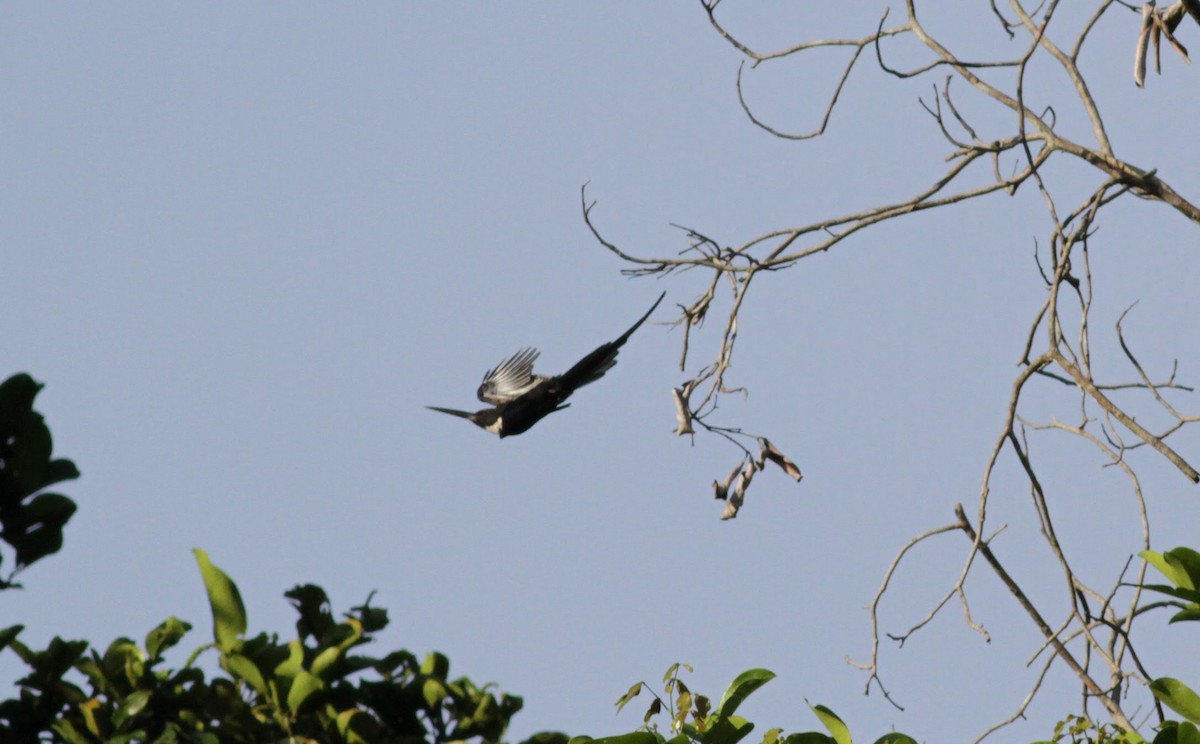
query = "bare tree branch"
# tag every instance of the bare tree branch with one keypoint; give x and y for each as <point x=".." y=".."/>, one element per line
<point x="1095" y="637"/>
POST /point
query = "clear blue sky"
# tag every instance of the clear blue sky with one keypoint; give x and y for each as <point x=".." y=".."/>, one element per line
<point x="245" y="245"/>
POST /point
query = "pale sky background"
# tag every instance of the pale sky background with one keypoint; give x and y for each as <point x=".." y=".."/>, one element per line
<point x="244" y="245"/>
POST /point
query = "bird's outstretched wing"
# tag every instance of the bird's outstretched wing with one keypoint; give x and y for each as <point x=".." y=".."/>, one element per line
<point x="593" y="366"/>
<point x="510" y="379"/>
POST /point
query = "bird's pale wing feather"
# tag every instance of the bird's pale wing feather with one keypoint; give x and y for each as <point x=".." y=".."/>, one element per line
<point x="510" y="378"/>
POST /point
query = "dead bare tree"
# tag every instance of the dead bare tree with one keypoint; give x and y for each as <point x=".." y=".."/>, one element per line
<point x="1095" y="638"/>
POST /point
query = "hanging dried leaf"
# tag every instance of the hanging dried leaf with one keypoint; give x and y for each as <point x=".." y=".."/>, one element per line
<point x="1163" y="25"/>
<point x="695" y="313"/>
<point x="1143" y="45"/>
<point x="1192" y="7"/>
<point x="721" y="490"/>
<point x="1172" y="16"/>
<point x="731" y="509"/>
<point x="769" y="452"/>
<point x="738" y="497"/>
<point x="1156" y="30"/>
<point x="683" y="413"/>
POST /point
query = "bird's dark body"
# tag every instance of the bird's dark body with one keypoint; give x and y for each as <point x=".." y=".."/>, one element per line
<point x="521" y="399"/>
<point x="520" y="415"/>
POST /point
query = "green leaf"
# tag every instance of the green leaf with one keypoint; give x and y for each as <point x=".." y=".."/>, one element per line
<point x="1188" y="561"/>
<point x="809" y="737"/>
<point x="291" y="666"/>
<point x="895" y="737"/>
<point x="840" y="733"/>
<point x="229" y="614"/>
<point x="88" y="709"/>
<point x="133" y="704"/>
<point x="26" y="654"/>
<point x="637" y="737"/>
<point x="358" y="727"/>
<point x="435" y="665"/>
<point x="1178" y="697"/>
<point x="9" y="634"/>
<point x="629" y="695"/>
<point x="1187" y="595"/>
<point x="1191" y="613"/>
<point x="244" y="669"/>
<point x="1177" y="732"/>
<point x="1168" y="567"/>
<point x="1186" y="733"/>
<point x="741" y="688"/>
<point x="726" y="730"/>
<point x="433" y="691"/>
<point x="348" y="634"/>
<point x="683" y="704"/>
<point x="325" y="659"/>
<point x="303" y="685"/>
<point x="65" y="729"/>
<point x="166" y="635"/>
<point x="124" y="658"/>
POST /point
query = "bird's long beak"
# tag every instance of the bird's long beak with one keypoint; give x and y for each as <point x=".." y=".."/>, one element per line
<point x="451" y="411"/>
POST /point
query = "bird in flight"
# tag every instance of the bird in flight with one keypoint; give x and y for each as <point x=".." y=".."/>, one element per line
<point x="520" y="399"/>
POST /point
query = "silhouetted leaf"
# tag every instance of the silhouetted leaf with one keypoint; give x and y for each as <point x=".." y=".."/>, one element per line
<point x="654" y="709"/>
<point x="312" y="603"/>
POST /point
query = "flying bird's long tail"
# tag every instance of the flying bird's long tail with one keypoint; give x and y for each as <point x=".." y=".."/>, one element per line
<point x="451" y="411"/>
<point x="593" y="366"/>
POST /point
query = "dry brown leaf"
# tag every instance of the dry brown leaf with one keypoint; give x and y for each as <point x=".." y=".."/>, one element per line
<point x="1192" y="7"/>
<point x="770" y="452"/>
<point x="683" y="414"/>
<point x="721" y="490"/>
<point x="1163" y="24"/>
<point x="1143" y="45"/>
<point x="738" y="497"/>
